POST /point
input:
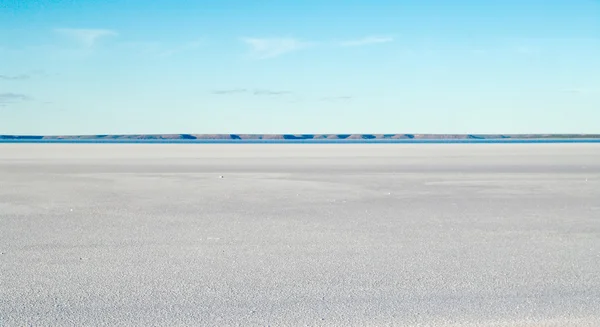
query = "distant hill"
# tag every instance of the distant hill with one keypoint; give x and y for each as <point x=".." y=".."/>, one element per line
<point x="300" y="137"/>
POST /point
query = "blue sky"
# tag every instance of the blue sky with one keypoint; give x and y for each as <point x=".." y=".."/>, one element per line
<point x="305" y="66"/>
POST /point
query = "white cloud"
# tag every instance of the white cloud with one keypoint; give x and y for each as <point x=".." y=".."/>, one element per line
<point x="263" y="48"/>
<point x="367" y="41"/>
<point x="86" y="37"/>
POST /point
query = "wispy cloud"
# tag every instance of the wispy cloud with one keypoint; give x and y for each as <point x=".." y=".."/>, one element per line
<point x="263" y="48"/>
<point x="86" y="37"/>
<point x="367" y="41"/>
<point x="574" y="91"/>
<point x="15" y="77"/>
<point x="270" y="92"/>
<point x="7" y="98"/>
<point x="257" y="92"/>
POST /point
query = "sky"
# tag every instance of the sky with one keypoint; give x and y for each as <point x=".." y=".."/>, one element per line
<point x="304" y="66"/>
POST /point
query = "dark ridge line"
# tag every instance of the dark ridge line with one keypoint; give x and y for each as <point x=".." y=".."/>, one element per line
<point x="300" y="141"/>
<point x="292" y="137"/>
<point x="21" y="137"/>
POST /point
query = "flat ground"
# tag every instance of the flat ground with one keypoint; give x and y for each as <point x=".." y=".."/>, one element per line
<point x="364" y="235"/>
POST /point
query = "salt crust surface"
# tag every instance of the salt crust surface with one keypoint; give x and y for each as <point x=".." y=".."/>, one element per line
<point x="294" y="235"/>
